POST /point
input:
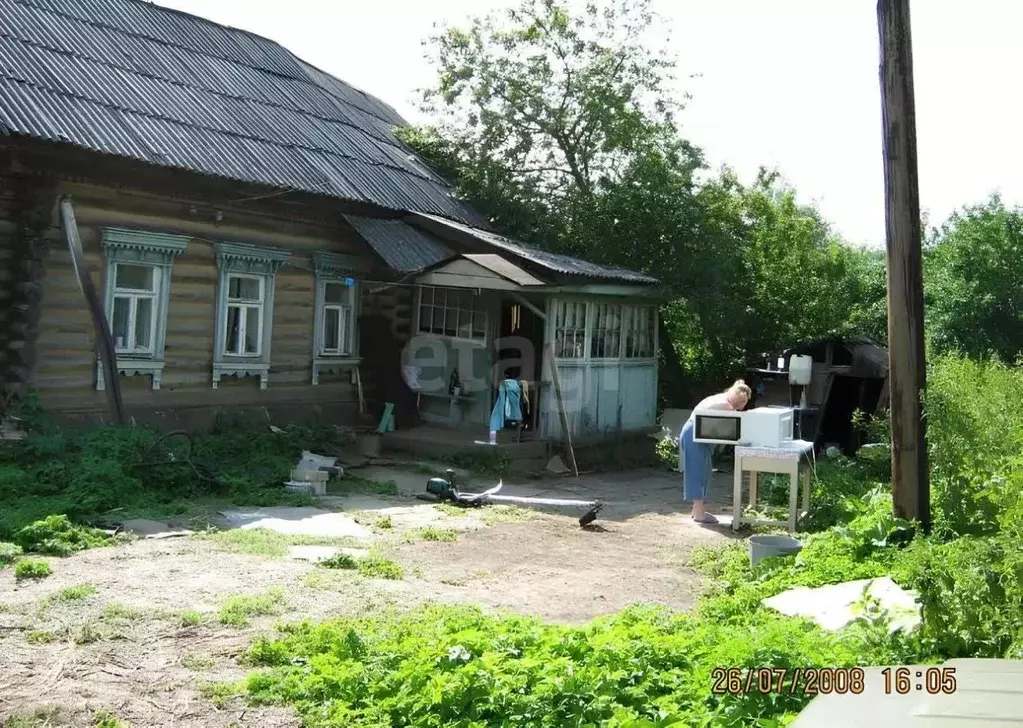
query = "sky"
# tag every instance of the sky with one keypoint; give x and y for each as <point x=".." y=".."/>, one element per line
<point x="787" y="84"/>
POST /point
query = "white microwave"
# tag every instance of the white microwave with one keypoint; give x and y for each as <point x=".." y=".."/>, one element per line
<point x="759" y="427"/>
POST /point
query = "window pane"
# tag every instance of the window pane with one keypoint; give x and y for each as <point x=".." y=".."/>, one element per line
<point x="425" y="318"/>
<point x="119" y="324"/>
<point x="479" y="325"/>
<point x="465" y="323"/>
<point x="427" y="295"/>
<point x="144" y="323"/>
<point x="233" y="333"/>
<point x="134" y="277"/>
<point x="331" y="326"/>
<point x="438" y="321"/>
<point x="464" y="298"/>
<point x="335" y="293"/>
<point x="450" y="321"/>
<point x="252" y="330"/>
<point x="243" y="289"/>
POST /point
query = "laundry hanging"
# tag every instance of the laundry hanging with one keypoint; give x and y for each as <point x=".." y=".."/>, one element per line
<point x="508" y="407"/>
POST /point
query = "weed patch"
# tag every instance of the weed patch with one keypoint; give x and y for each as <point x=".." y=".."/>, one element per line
<point x="104" y="719"/>
<point x="340" y="561"/>
<point x="264" y="542"/>
<point x="74" y="593"/>
<point x="355" y="484"/>
<point x="40" y="637"/>
<point x="31" y="569"/>
<point x="9" y="552"/>
<point x="237" y="610"/>
<point x="191" y="618"/>
<point x="384" y="522"/>
<point x="377" y="567"/>
<point x="433" y="533"/>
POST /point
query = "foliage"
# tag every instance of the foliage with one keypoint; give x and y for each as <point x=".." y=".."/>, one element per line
<point x="973" y="282"/>
<point x="31" y="569"/>
<point x="57" y="536"/>
<point x="84" y="473"/>
<point x="378" y="567"/>
<point x="74" y="593"/>
<point x="237" y="610"/>
<point x="9" y="552"/>
<point x="433" y="533"/>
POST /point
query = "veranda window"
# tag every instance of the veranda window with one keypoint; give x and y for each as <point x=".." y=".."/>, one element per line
<point x="639" y="332"/>
<point x="606" y="342"/>
<point x="453" y="312"/>
<point x="569" y="330"/>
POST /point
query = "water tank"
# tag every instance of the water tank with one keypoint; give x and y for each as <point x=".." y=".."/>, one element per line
<point x="800" y="369"/>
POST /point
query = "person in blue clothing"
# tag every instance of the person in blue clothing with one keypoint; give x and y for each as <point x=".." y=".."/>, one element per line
<point x="695" y="457"/>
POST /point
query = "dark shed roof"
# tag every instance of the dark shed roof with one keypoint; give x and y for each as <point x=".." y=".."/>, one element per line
<point x="141" y="81"/>
<point x="403" y="247"/>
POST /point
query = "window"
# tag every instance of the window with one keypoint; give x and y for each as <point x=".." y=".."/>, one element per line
<point x="606" y="342"/>
<point x="335" y="334"/>
<point x="569" y="329"/>
<point x="454" y="312"/>
<point x="137" y="279"/>
<point x="244" y="331"/>
<point x="245" y="295"/>
<point x="639" y="332"/>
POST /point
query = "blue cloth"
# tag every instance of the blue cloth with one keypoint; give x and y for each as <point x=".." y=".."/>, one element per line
<point x="508" y="407"/>
<point x="694" y="459"/>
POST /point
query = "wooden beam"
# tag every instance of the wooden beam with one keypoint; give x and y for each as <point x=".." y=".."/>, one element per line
<point x="907" y="365"/>
<point x="527" y="304"/>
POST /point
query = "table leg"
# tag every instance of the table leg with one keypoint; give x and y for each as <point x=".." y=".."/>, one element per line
<point x="793" y="497"/>
<point x="753" y="475"/>
<point x="807" y="485"/>
<point x="737" y="495"/>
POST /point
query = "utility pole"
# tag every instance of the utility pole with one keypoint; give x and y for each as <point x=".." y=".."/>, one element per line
<point x="907" y="373"/>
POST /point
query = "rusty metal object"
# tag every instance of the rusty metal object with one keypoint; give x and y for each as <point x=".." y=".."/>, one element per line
<point x="104" y="340"/>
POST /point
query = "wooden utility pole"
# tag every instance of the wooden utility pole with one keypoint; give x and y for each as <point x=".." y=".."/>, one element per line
<point x="906" y="363"/>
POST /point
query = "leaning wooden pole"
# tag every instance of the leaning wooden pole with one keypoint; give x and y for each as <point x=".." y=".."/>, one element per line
<point x="907" y="365"/>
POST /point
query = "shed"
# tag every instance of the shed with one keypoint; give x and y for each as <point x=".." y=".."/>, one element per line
<point x="849" y="374"/>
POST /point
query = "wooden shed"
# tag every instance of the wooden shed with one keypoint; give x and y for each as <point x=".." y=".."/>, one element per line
<point x="848" y="374"/>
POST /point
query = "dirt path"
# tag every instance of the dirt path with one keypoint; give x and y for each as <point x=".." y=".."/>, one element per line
<point x="142" y="634"/>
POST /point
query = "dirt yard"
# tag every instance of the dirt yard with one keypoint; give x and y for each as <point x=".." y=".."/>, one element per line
<point x="138" y="631"/>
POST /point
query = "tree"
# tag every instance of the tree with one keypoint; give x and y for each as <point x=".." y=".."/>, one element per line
<point x="562" y="101"/>
<point x="974" y="282"/>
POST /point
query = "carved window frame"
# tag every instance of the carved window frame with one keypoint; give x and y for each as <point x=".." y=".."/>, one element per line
<point x="336" y="269"/>
<point x="156" y="251"/>
<point x="248" y="261"/>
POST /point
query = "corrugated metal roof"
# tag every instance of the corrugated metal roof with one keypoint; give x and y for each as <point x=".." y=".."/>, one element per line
<point x="138" y="80"/>
<point x="402" y="247"/>
<point x="551" y="261"/>
<point x="496" y="264"/>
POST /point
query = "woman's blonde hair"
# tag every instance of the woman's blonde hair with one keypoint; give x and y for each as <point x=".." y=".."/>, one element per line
<point x="740" y="387"/>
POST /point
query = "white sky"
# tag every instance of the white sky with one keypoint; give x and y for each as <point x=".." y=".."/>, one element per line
<point x="790" y="83"/>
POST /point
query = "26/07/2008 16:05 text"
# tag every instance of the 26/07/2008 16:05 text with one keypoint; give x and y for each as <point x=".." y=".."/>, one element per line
<point x="825" y="680"/>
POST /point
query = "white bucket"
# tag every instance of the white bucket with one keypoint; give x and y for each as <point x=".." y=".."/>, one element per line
<point x="761" y="547"/>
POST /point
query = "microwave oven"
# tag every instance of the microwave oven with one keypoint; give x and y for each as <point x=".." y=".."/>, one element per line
<point x="759" y="427"/>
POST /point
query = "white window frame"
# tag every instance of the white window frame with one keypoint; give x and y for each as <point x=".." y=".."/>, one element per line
<point x="559" y="319"/>
<point x="343" y="270"/>
<point x="480" y="307"/>
<point x="157" y="252"/>
<point x="254" y="262"/>
<point x="629" y="328"/>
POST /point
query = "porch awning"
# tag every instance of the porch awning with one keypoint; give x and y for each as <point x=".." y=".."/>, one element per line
<point x="480" y="270"/>
<point x="404" y="248"/>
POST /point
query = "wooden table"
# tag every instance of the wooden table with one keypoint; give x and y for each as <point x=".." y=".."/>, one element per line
<point x="780" y="461"/>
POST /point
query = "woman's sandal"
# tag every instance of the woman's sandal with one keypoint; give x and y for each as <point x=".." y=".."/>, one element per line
<point x="705" y="518"/>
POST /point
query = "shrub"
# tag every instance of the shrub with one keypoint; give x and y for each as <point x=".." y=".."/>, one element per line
<point x="57" y="536"/>
<point x="9" y="552"/>
<point x="32" y="569"/>
<point x="376" y="567"/>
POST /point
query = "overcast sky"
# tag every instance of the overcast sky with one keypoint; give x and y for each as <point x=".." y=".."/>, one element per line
<point x="790" y="83"/>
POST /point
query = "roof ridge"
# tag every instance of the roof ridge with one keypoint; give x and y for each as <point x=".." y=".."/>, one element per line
<point x="123" y="67"/>
<point x="224" y="132"/>
<point x="124" y="31"/>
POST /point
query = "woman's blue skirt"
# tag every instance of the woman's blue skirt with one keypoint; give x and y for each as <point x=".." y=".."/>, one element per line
<point x="694" y="459"/>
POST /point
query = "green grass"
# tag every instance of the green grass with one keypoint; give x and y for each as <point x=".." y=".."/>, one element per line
<point x="433" y="533"/>
<point x="191" y="618"/>
<point x="450" y="509"/>
<point x="105" y="719"/>
<point x="356" y="484"/>
<point x="378" y="567"/>
<point x="237" y="610"/>
<point x="493" y="515"/>
<point x="264" y="542"/>
<point x="75" y="593"/>
<point x="39" y="718"/>
<point x="340" y="561"/>
<point x="31" y="569"/>
<point x="384" y="522"/>
<point x="116" y="611"/>
<point x="40" y="637"/>
<point x="9" y="552"/>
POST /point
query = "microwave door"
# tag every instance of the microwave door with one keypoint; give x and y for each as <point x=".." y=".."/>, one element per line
<point x="728" y="429"/>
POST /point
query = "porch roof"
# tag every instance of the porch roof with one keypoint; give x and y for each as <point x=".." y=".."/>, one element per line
<point x="402" y="247"/>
